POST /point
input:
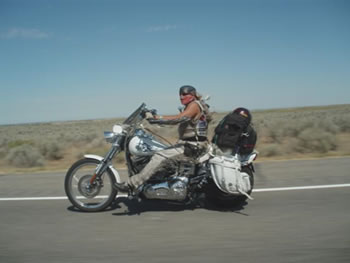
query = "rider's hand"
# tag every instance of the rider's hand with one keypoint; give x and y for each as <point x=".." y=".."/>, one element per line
<point x="153" y="121"/>
<point x="149" y="115"/>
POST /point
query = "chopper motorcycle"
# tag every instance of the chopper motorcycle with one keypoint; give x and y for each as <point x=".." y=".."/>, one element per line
<point x="225" y="180"/>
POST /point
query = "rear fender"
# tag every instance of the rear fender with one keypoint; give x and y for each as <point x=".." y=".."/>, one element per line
<point x="248" y="159"/>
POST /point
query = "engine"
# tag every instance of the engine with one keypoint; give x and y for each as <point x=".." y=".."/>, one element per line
<point x="176" y="189"/>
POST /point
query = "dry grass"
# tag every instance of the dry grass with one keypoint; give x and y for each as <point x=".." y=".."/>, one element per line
<point x="282" y="134"/>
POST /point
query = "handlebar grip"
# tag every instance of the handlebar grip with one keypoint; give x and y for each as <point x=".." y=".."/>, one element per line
<point x="154" y="121"/>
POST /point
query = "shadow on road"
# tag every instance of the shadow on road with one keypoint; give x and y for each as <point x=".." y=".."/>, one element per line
<point x="126" y="207"/>
<point x="134" y="207"/>
<point x="76" y="210"/>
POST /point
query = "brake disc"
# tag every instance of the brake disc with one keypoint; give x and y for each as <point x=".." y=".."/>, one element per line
<point x="86" y="189"/>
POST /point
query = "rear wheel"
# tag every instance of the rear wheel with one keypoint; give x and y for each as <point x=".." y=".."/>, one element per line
<point x="221" y="199"/>
<point x="84" y="195"/>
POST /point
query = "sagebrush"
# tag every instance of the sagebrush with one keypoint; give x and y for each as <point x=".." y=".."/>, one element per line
<point x="281" y="133"/>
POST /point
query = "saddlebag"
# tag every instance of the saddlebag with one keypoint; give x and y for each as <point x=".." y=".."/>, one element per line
<point x="227" y="175"/>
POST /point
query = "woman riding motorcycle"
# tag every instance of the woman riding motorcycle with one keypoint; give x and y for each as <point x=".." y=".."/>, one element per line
<point x="192" y="129"/>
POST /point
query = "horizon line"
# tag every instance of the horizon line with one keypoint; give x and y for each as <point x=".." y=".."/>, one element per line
<point x="219" y="112"/>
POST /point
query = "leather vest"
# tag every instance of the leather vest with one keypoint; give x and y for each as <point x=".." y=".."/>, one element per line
<point x="197" y="127"/>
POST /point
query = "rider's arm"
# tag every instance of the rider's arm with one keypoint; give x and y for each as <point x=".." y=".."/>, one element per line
<point x="189" y="113"/>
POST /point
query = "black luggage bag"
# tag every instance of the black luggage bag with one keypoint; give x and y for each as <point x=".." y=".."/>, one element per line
<point x="235" y="132"/>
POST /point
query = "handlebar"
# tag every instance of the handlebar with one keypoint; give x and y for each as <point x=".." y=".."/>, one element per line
<point x="154" y="121"/>
<point x="139" y="114"/>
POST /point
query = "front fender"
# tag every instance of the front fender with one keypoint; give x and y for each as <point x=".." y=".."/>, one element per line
<point x="100" y="158"/>
<point x="113" y="170"/>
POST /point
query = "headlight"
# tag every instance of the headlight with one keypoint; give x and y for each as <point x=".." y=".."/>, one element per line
<point x="118" y="129"/>
<point x="110" y="137"/>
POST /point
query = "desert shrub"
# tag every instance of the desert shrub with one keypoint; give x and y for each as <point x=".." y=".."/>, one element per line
<point x="3" y="142"/>
<point x="89" y="137"/>
<point x="79" y="155"/>
<point x="280" y="131"/>
<point x="25" y="156"/>
<point x="327" y="125"/>
<point x="3" y="152"/>
<point x="96" y="143"/>
<point x="315" y="140"/>
<point x="16" y="143"/>
<point x="292" y="128"/>
<point x="289" y="145"/>
<point x="343" y="122"/>
<point x="64" y="138"/>
<point x="258" y="126"/>
<point x="77" y="136"/>
<point x="101" y="150"/>
<point x="80" y="136"/>
<point x="3" y="147"/>
<point x="51" y="150"/>
<point x="275" y="131"/>
<point x="269" y="150"/>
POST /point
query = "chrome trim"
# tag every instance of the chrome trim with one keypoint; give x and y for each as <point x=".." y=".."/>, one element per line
<point x="248" y="158"/>
<point x="100" y="158"/>
<point x="110" y="136"/>
<point x="175" y="190"/>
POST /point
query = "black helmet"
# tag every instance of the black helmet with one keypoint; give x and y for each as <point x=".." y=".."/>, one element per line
<point x="243" y="112"/>
<point x="187" y="89"/>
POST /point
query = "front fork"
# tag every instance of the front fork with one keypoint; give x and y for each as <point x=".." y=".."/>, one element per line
<point x="251" y="166"/>
<point x="102" y="167"/>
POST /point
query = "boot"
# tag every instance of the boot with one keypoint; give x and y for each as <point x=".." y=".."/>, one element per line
<point x="122" y="187"/>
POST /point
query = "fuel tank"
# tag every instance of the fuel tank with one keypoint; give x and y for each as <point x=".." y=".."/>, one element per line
<point x="143" y="144"/>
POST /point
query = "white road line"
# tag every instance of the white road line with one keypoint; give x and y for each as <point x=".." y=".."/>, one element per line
<point x="255" y="191"/>
<point x="301" y="188"/>
<point x="33" y="198"/>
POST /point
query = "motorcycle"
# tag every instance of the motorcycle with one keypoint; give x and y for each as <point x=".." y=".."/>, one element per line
<point x="225" y="180"/>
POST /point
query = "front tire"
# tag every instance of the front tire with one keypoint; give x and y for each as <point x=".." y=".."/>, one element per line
<point x="85" y="196"/>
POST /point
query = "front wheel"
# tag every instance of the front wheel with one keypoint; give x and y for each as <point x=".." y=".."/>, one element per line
<point x="84" y="195"/>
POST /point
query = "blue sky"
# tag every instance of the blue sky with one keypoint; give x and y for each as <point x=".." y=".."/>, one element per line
<point x="84" y="59"/>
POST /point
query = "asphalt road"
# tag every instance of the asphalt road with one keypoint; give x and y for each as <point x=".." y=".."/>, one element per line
<point x="310" y="225"/>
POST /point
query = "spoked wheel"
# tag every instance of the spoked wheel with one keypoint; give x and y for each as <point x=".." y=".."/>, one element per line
<point x="84" y="195"/>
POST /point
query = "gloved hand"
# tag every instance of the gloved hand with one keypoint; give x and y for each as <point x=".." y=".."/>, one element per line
<point x="149" y="115"/>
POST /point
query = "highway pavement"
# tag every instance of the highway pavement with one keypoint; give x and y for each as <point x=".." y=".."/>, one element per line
<point x="308" y="223"/>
